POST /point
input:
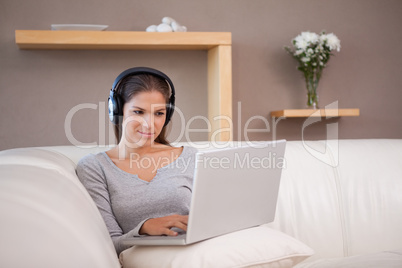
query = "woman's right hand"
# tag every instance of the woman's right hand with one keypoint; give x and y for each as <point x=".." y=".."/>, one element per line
<point x="163" y="225"/>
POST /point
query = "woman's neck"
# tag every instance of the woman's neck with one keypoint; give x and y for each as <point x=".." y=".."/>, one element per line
<point x="124" y="151"/>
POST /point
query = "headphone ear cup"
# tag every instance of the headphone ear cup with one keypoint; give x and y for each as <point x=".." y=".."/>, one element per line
<point x="169" y="112"/>
<point x="114" y="107"/>
<point x="168" y="115"/>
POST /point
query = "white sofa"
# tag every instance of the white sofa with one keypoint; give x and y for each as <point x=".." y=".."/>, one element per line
<point x="340" y="205"/>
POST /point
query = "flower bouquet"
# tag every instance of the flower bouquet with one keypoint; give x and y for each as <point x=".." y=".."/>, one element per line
<point x="313" y="51"/>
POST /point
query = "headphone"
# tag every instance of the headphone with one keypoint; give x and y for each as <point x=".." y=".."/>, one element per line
<point x="115" y="102"/>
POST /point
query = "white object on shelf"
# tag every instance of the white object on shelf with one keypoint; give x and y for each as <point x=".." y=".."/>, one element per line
<point x="78" y="27"/>
<point x="168" y="25"/>
<point x="164" y="28"/>
<point x="151" y="28"/>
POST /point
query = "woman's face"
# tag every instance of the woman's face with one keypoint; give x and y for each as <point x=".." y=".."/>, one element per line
<point x="143" y="118"/>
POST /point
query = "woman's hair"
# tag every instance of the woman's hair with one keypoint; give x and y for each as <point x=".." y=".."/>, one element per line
<point x="135" y="84"/>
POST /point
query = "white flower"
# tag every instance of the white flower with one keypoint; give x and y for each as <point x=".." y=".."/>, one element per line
<point x="310" y="37"/>
<point x="323" y="38"/>
<point x="300" y="42"/>
<point x="298" y="52"/>
<point x="332" y="41"/>
<point x="312" y="51"/>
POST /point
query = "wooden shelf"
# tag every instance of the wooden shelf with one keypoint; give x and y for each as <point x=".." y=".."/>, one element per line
<point x="315" y="113"/>
<point x="218" y="45"/>
<point x="120" y="40"/>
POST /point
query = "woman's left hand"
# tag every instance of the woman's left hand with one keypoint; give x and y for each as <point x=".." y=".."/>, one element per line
<point x="163" y="225"/>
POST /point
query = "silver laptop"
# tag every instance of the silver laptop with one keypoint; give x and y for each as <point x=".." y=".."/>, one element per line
<point x="233" y="189"/>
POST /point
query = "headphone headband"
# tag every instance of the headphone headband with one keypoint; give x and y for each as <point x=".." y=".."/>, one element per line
<point x="115" y="109"/>
<point x="143" y="70"/>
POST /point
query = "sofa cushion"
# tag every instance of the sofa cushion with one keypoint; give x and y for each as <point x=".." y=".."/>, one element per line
<point x="75" y="153"/>
<point x="255" y="247"/>
<point x="370" y="188"/>
<point x="384" y="259"/>
<point x="308" y="207"/>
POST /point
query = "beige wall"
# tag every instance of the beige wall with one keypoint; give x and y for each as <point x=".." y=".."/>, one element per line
<point x="38" y="89"/>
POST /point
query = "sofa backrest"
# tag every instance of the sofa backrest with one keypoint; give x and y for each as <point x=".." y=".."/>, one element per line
<point x="342" y="198"/>
<point x="308" y="205"/>
<point x="369" y="179"/>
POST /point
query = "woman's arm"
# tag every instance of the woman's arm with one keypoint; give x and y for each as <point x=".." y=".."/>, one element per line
<point x="92" y="177"/>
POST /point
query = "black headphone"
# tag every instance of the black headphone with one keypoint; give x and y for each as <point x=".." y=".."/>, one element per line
<point x="115" y="103"/>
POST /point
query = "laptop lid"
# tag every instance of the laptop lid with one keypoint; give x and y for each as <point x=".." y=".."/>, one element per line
<point x="234" y="189"/>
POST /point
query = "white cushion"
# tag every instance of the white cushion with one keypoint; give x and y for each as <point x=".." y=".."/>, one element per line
<point x="370" y="187"/>
<point x="308" y="207"/>
<point x="385" y="259"/>
<point x="75" y="153"/>
<point x="255" y="247"/>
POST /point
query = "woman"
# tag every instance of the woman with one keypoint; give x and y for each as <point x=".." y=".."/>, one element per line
<point x="143" y="185"/>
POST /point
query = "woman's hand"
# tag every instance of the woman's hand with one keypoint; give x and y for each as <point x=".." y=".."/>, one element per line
<point x="163" y="225"/>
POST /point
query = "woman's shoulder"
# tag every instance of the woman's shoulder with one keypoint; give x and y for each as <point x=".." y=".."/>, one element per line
<point x="91" y="159"/>
<point x="187" y="151"/>
<point x="190" y="150"/>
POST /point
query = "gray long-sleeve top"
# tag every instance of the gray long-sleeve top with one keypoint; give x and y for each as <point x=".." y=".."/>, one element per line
<point x="126" y="202"/>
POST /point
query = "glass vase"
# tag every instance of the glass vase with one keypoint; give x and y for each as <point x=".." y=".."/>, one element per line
<point x="312" y="94"/>
<point x="312" y="100"/>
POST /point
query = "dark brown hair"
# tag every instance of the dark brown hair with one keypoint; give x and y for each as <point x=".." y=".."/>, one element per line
<point x="134" y="84"/>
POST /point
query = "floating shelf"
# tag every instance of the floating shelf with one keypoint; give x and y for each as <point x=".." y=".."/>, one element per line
<point x="315" y="112"/>
<point x="120" y="40"/>
<point x="218" y="45"/>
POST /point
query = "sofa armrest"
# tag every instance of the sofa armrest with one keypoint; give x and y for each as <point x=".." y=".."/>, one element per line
<point x="48" y="218"/>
